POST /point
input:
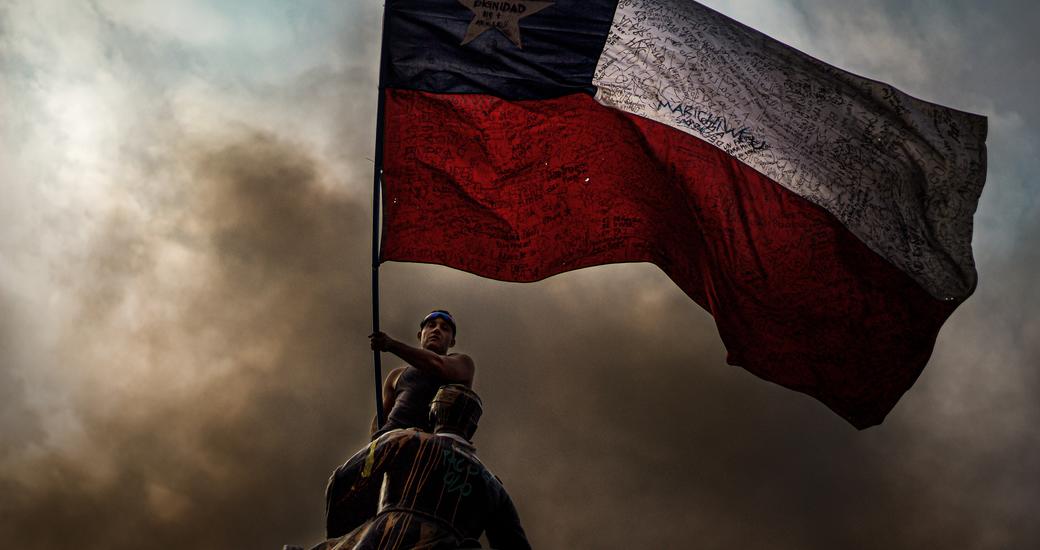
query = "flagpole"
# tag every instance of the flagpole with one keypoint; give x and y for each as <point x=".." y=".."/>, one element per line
<point x="377" y="178"/>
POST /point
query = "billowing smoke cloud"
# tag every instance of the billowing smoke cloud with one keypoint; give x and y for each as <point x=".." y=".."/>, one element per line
<point x="185" y="299"/>
<point x="212" y="342"/>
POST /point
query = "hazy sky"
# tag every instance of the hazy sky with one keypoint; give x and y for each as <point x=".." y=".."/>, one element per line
<point x="184" y="300"/>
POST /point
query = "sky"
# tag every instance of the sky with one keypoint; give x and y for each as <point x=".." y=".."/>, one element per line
<point x="185" y="220"/>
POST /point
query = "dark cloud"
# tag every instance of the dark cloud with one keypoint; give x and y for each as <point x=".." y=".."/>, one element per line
<point x="214" y="368"/>
<point x="225" y="408"/>
<point x="18" y="423"/>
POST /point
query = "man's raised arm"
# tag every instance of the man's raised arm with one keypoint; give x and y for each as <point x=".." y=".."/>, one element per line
<point x="456" y="367"/>
<point x="408" y="390"/>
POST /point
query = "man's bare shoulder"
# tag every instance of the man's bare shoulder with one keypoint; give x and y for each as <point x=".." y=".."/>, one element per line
<point x="462" y="358"/>
<point x="463" y="368"/>
<point x="392" y="376"/>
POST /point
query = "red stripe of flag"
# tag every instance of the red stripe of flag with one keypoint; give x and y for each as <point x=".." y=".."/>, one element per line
<point x="523" y="190"/>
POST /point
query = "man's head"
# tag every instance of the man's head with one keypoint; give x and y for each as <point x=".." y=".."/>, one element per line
<point x="437" y="331"/>
<point x="455" y="409"/>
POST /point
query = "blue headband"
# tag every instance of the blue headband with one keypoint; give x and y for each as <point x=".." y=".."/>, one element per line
<point x="440" y="314"/>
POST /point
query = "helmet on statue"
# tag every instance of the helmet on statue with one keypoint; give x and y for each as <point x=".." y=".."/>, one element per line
<point x="455" y="409"/>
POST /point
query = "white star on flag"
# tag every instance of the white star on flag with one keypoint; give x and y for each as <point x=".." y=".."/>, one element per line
<point x="503" y="15"/>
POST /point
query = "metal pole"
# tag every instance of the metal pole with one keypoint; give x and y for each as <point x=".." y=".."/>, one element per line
<point x="376" y="211"/>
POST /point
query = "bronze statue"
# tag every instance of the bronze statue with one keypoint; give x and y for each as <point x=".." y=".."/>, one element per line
<point x="411" y="489"/>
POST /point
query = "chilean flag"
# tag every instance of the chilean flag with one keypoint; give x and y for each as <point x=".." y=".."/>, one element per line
<point x="824" y="219"/>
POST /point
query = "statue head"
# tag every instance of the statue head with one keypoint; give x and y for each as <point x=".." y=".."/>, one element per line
<point x="455" y="409"/>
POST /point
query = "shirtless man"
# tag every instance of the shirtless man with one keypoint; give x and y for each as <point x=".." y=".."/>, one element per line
<point x="409" y="389"/>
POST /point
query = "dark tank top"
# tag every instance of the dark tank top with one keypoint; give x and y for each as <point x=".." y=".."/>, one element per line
<point x="415" y="390"/>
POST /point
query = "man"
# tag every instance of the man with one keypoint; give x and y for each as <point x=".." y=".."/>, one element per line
<point x="408" y="390"/>
<point x="410" y="489"/>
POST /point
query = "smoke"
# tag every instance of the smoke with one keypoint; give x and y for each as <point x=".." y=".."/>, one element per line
<point x="210" y="348"/>
<point x="184" y="299"/>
